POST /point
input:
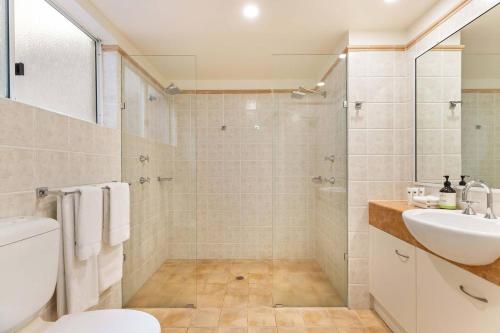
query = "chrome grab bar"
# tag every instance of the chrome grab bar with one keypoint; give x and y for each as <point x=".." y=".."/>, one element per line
<point x="480" y="299"/>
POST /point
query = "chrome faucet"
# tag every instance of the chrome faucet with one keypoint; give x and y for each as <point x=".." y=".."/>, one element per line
<point x="489" y="198"/>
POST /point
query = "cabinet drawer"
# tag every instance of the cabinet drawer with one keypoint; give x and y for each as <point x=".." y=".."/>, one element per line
<point x="443" y="306"/>
<point x="393" y="277"/>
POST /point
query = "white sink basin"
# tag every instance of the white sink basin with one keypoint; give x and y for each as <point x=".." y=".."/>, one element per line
<point x="469" y="240"/>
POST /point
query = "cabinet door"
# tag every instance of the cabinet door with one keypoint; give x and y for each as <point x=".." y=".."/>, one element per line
<point x="444" y="306"/>
<point x="392" y="277"/>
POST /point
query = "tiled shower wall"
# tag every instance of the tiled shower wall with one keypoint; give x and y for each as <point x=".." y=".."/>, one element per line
<point x="481" y="127"/>
<point x="380" y="149"/>
<point x="438" y="124"/>
<point x="43" y="148"/>
<point x="234" y="173"/>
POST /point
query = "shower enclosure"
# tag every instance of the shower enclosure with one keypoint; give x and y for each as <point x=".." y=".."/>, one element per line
<point x="238" y="196"/>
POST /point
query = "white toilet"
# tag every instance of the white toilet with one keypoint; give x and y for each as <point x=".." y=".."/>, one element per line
<point x="29" y="254"/>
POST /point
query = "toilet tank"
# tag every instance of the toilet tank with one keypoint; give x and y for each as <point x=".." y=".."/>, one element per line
<point x="29" y="255"/>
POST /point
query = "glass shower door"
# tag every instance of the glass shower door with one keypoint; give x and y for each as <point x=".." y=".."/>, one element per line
<point x="310" y="198"/>
<point x="159" y="161"/>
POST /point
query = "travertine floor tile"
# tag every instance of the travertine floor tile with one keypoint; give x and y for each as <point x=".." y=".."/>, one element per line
<point x="262" y="330"/>
<point x="235" y="301"/>
<point x="289" y="318"/>
<point x="317" y="317"/>
<point x="261" y="316"/>
<point x="206" y="283"/>
<point x="201" y="330"/>
<point x="205" y="317"/>
<point x="174" y="330"/>
<point x="232" y="330"/>
<point x="292" y="330"/>
<point x="176" y="318"/>
<point x="233" y="317"/>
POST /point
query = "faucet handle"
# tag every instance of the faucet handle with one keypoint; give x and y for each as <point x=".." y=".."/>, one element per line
<point x="469" y="210"/>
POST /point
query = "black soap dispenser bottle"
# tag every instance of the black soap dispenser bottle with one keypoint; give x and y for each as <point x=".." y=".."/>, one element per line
<point x="447" y="195"/>
<point x="463" y="182"/>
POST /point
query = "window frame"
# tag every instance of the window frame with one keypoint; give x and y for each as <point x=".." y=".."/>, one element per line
<point x="98" y="77"/>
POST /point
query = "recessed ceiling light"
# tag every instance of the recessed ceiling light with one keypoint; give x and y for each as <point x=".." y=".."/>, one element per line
<point x="390" y="1"/>
<point x="320" y="84"/>
<point x="251" y="11"/>
<point x="342" y="56"/>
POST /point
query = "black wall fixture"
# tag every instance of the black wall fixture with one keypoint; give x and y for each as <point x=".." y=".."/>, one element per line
<point x="19" y="68"/>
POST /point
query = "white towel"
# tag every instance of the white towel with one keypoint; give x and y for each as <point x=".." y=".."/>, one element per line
<point x="77" y="282"/>
<point x="88" y="225"/>
<point x="110" y="259"/>
<point x="117" y="228"/>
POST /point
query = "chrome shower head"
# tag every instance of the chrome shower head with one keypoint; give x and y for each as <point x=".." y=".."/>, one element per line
<point x="172" y="89"/>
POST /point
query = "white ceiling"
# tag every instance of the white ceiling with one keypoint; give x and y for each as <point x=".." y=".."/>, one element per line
<point x="229" y="47"/>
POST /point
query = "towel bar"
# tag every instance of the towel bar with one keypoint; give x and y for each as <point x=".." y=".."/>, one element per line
<point x="42" y="192"/>
<point x="168" y="179"/>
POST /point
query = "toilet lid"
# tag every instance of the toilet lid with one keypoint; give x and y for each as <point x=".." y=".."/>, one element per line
<point x="106" y="321"/>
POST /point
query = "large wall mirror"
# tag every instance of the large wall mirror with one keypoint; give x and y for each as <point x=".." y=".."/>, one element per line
<point x="458" y="105"/>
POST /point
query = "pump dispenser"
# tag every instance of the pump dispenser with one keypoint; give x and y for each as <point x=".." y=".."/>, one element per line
<point x="447" y="195"/>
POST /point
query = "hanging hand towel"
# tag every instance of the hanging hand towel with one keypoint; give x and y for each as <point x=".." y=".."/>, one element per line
<point x="88" y="225"/>
<point x="118" y="229"/>
<point x="110" y="259"/>
<point x="77" y="283"/>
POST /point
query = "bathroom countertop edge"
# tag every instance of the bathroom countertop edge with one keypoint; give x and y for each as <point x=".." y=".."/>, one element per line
<point x="387" y="216"/>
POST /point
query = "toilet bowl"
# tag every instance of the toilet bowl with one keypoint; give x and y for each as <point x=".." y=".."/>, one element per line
<point x="29" y="253"/>
<point x="102" y="321"/>
<point x="106" y="321"/>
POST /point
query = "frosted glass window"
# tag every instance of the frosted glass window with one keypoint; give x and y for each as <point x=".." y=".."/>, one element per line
<point x="59" y="61"/>
<point x="158" y="116"/>
<point x="134" y="90"/>
<point x="4" y="49"/>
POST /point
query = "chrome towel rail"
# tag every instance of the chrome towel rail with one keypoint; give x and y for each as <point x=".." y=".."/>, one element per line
<point x="166" y="179"/>
<point x="42" y="192"/>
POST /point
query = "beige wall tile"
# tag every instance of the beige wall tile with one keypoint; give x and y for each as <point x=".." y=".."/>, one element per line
<point x="16" y="169"/>
<point x="17" y="123"/>
<point x="51" y="130"/>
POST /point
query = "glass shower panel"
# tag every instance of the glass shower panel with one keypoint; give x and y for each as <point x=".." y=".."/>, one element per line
<point x="310" y="198"/>
<point x="159" y="160"/>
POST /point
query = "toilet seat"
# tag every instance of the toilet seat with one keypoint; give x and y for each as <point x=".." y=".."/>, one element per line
<point x="106" y="321"/>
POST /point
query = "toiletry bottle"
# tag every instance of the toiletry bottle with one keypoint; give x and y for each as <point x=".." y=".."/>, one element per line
<point x="463" y="182"/>
<point x="447" y="196"/>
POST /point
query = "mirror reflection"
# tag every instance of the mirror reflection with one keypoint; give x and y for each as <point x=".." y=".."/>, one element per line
<point x="458" y="105"/>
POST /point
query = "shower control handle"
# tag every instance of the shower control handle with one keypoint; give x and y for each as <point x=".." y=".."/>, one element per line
<point x="317" y="180"/>
<point x="143" y="180"/>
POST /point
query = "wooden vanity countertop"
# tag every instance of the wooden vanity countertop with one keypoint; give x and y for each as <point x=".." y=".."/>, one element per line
<point x="387" y="216"/>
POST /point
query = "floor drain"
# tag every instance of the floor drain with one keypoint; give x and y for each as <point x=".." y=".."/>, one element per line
<point x="240" y="278"/>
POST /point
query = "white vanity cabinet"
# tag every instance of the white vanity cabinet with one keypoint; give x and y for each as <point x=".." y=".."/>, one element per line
<point x="426" y="294"/>
<point x="442" y="302"/>
<point x="392" y="280"/>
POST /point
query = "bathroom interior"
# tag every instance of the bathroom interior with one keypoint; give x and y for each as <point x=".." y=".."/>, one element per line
<point x="250" y="166"/>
